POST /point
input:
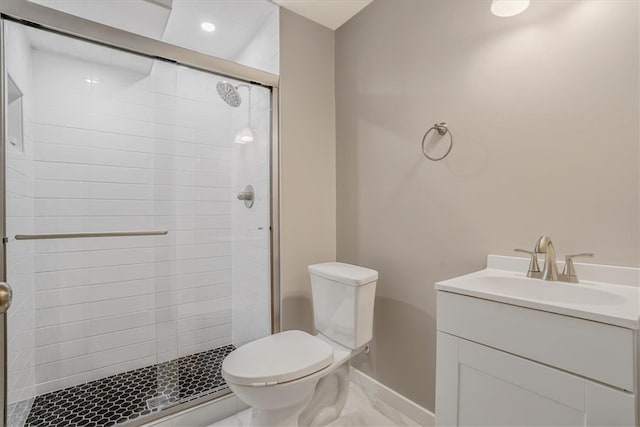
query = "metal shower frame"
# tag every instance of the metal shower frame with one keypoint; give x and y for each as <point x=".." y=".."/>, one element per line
<point x="35" y="15"/>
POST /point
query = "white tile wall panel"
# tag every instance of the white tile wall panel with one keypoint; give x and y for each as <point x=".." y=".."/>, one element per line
<point x="123" y="354"/>
<point x="119" y="305"/>
<point x="128" y="143"/>
<point x="75" y="245"/>
<point x="63" y="368"/>
<point x="91" y="173"/>
<point x="203" y="346"/>
<point x="250" y="245"/>
<point x="60" y="333"/>
<point x="166" y="329"/>
<point x="63" y="382"/>
<point x="206" y="320"/>
<point x="20" y="219"/>
<point x="22" y="383"/>
<point x="167" y="346"/>
<point x="132" y="152"/>
<point x="166" y="314"/>
<point x="128" y="365"/>
<point x="60" y="351"/>
<point x="61" y="135"/>
<point x="202" y="335"/>
<point x="202" y="307"/>
<point x="61" y="279"/>
<point x="203" y="293"/>
<point x="93" y="293"/>
<point x="121" y="273"/>
<point x="122" y="322"/>
<point x="182" y="252"/>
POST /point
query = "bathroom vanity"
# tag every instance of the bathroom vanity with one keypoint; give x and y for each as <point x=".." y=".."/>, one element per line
<point x="514" y="350"/>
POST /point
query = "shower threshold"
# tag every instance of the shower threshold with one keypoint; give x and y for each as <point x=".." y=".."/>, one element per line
<point x="128" y="396"/>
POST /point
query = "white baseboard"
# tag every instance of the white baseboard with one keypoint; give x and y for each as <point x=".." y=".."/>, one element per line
<point x="392" y="398"/>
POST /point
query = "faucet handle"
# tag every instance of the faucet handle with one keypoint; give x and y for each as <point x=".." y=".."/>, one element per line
<point x="534" y="268"/>
<point x="569" y="270"/>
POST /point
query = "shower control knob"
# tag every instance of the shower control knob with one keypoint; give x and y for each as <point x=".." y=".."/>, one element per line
<point x="246" y="195"/>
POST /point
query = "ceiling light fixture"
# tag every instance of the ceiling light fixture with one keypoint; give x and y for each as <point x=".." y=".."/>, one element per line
<point x="208" y="27"/>
<point x="506" y="8"/>
<point x="245" y="135"/>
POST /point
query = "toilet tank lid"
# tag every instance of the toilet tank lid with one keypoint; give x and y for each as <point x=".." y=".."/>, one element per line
<point x="344" y="273"/>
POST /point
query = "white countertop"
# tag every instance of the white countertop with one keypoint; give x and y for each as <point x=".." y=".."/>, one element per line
<point x="606" y="294"/>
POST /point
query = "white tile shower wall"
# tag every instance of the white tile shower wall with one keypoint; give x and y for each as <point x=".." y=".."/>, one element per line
<point x="250" y="226"/>
<point x="251" y="165"/>
<point x="262" y="51"/>
<point x="20" y="219"/>
<point x="131" y="152"/>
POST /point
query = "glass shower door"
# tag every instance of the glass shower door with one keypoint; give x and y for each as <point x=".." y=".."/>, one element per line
<point x="135" y="266"/>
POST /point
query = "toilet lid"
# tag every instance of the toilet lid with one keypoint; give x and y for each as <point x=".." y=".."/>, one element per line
<point x="278" y="358"/>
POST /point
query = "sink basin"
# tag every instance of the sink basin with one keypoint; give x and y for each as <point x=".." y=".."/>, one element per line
<point x="559" y="292"/>
<point x="615" y="303"/>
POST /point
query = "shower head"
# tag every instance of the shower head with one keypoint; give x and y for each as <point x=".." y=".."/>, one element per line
<point x="229" y="93"/>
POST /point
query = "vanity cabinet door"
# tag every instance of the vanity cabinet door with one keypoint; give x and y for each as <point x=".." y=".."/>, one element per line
<point x="481" y="386"/>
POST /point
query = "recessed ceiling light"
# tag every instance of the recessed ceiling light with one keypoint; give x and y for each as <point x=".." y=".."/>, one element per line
<point x="506" y="8"/>
<point x="91" y="81"/>
<point x="208" y="27"/>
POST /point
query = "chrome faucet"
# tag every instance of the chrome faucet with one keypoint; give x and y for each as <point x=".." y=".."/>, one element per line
<point x="545" y="246"/>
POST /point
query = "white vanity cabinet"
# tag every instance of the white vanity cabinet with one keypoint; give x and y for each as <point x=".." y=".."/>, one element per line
<point x="514" y="364"/>
<point x="481" y="386"/>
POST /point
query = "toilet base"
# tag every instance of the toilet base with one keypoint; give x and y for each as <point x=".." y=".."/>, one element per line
<point x="285" y="417"/>
<point x="328" y="400"/>
<point x="321" y="408"/>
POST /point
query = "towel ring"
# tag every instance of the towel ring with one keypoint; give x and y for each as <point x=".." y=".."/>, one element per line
<point x="442" y="129"/>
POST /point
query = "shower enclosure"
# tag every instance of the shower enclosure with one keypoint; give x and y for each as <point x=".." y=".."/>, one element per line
<point x="137" y="256"/>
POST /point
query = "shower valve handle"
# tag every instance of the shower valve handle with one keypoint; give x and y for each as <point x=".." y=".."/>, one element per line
<point x="245" y="195"/>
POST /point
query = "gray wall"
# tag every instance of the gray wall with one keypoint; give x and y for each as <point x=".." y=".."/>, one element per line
<point x="308" y="161"/>
<point x="544" y="108"/>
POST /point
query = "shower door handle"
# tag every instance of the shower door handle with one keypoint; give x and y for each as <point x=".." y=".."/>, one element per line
<point x="5" y="297"/>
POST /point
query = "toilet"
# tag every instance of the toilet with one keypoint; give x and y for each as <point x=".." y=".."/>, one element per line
<point x="293" y="378"/>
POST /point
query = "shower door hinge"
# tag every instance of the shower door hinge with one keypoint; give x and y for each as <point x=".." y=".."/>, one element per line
<point x="5" y="240"/>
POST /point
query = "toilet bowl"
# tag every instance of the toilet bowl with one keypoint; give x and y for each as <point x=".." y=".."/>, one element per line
<point x="293" y="378"/>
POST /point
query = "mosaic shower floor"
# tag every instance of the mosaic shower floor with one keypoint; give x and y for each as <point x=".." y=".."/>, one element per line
<point x="133" y="394"/>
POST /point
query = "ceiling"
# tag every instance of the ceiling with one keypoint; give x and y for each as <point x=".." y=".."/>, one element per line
<point x="236" y="21"/>
<point x="330" y="13"/>
<point x="178" y="21"/>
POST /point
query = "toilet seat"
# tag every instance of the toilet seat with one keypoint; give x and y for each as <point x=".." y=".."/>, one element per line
<point x="275" y="359"/>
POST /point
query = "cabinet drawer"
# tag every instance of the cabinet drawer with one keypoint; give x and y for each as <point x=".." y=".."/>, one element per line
<point x="594" y="350"/>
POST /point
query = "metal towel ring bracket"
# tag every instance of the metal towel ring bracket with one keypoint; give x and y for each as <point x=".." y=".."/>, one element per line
<point x="442" y="129"/>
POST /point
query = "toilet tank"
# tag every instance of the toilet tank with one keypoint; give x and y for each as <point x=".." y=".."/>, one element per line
<point x="343" y="298"/>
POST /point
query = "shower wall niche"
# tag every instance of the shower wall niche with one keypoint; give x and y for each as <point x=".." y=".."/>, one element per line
<point x="115" y="142"/>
